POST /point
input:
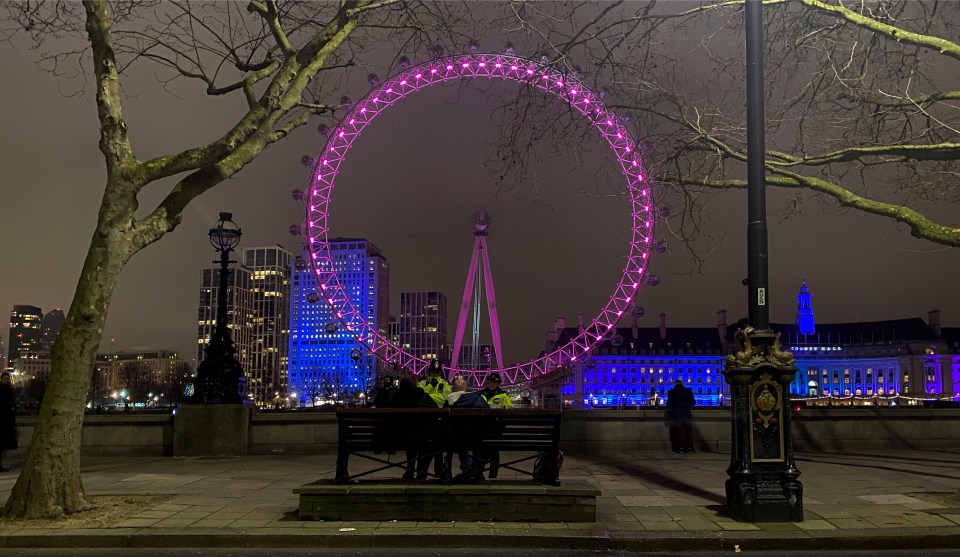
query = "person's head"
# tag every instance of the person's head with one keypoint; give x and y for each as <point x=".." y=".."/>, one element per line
<point x="435" y="368"/>
<point x="678" y="383"/>
<point x="459" y="383"/>
<point x="387" y="381"/>
<point x="407" y="384"/>
<point x="493" y="381"/>
<point x="5" y="377"/>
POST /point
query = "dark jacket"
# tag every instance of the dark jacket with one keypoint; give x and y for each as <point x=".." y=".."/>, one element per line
<point x="8" y="422"/>
<point x="409" y="395"/>
<point x="384" y="397"/>
<point x="680" y="401"/>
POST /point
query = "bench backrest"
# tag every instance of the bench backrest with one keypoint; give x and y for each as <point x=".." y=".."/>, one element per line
<point x="466" y="428"/>
<point x="391" y="428"/>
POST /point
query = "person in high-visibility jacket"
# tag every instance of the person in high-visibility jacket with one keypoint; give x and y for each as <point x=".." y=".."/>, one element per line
<point x="436" y="387"/>
<point x="434" y="384"/>
<point x="496" y="398"/>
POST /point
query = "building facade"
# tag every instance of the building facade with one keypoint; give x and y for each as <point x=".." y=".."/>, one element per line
<point x="895" y="358"/>
<point x="422" y="326"/>
<point x="50" y="329"/>
<point x="239" y="312"/>
<point x="26" y="332"/>
<point x="326" y="364"/>
<point x="266" y="372"/>
<point x="139" y="379"/>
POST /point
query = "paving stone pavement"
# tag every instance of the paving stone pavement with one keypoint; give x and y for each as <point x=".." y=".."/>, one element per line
<point x="648" y="501"/>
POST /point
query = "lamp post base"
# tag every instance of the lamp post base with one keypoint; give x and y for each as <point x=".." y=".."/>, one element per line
<point x="765" y="498"/>
<point x="219" y="381"/>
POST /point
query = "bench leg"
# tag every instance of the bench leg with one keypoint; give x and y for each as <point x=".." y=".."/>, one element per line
<point x="342" y="458"/>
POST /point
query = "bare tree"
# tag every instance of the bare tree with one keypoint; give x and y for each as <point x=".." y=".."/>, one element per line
<point x="861" y="102"/>
<point x="282" y="58"/>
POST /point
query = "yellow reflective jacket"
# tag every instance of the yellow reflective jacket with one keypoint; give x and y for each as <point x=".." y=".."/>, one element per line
<point x="437" y="388"/>
<point x="496" y="399"/>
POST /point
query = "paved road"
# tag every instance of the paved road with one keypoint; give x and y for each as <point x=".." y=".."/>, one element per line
<point x="411" y="552"/>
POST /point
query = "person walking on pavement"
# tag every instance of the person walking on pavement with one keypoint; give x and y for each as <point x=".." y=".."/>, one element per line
<point x="496" y="398"/>
<point x="8" y="422"/>
<point x="680" y="401"/>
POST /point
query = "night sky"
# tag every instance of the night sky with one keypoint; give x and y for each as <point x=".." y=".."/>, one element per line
<point x="411" y="186"/>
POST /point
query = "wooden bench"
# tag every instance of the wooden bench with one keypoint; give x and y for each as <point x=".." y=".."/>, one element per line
<point x="445" y="431"/>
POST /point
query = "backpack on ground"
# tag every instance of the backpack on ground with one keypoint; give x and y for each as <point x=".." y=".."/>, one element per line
<point x="546" y="468"/>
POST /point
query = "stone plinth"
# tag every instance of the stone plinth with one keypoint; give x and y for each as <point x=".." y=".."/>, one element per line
<point x="503" y="501"/>
<point x="211" y="430"/>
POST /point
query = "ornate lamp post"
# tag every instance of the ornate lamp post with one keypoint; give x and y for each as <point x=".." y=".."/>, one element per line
<point x="219" y="375"/>
<point x="762" y="484"/>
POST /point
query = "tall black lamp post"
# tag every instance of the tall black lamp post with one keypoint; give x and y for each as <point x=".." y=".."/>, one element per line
<point x="220" y="376"/>
<point x="762" y="484"/>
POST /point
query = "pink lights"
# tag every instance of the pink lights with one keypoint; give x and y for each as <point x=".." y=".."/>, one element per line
<point x="566" y="89"/>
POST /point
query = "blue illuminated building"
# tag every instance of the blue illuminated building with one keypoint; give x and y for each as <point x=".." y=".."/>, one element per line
<point x="321" y="368"/>
<point x="637" y="366"/>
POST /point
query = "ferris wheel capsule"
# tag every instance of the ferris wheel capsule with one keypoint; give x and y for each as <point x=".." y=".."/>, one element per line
<point x="403" y="62"/>
<point x="663" y="212"/>
<point x="307" y="161"/>
<point x="653" y="280"/>
<point x="297" y="195"/>
<point x="300" y="264"/>
<point x="373" y="79"/>
<point x="295" y="229"/>
<point x="345" y="101"/>
<point x="473" y="45"/>
<point x="331" y="328"/>
<point x="313" y="297"/>
<point x="508" y="49"/>
<point x="661" y="247"/>
<point x="638" y="311"/>
<point x="323" y="130"/>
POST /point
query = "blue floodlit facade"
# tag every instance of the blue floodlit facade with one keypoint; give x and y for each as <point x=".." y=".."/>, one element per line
<point x="637" y="366"/>
<point x="320" y="365"/>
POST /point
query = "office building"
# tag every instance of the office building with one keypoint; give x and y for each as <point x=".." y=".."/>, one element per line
<point x="26" y="332"/>
<point x="321" y="368"/>
<point x="266" y="370"/>
<point x="139" y="379"/>
<point x="239" y="312"/>
<point x="422" y="326"/>
<point x="50" y="329"/>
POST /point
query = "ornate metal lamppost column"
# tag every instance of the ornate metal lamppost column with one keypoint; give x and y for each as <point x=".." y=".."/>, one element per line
<point x="220" y="376"/>
<point x="762" y="484"/>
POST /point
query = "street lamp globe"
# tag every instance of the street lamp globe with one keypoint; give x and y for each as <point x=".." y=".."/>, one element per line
<point x="226" y="234"/>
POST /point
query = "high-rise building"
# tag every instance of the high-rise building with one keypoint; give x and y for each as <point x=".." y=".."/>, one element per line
<point x="483" y="360"/>
<point x="52" y="323"/>
<point x="422" y="327"/>
<point x="26" y="331"/>
<point x="270" y="294"/>
<point x="321" y="366"/>
<point x="239" y="312"/>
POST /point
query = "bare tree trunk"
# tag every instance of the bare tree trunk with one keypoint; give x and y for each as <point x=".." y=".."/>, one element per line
<point x="49" y="485"/>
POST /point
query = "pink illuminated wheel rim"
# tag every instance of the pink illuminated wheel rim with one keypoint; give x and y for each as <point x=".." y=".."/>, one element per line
<point x="474" y="65"/>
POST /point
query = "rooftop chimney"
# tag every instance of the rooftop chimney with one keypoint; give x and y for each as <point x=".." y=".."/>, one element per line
<point x="933" y="319"/>
<point x="722" y="330"/>
<point x="663" y="326"/>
